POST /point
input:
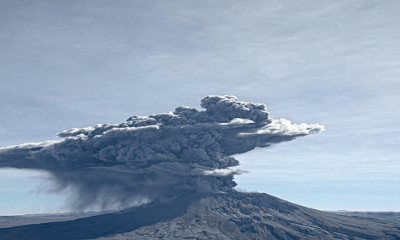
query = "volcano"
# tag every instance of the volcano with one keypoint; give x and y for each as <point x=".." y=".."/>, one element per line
<point x="171" y="173"/>
<point x="233" y="215"/>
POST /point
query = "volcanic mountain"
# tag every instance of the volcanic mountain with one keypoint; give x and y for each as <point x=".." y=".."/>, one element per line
<point x="233" y="215"/>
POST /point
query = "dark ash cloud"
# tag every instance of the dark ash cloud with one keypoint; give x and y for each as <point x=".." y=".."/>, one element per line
<point x="161" y="156"/>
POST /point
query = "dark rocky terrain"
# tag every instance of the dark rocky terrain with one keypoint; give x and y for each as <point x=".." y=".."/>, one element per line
<point x="231" y="215"/>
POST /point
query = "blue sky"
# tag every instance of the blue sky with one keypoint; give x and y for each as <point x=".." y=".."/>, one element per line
<point x="78" y="63"/>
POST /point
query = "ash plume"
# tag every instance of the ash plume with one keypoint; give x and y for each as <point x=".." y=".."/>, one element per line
<point x="161" y="156"/>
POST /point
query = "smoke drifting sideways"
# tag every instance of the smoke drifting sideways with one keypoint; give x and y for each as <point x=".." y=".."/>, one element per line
<point x="155" y="158"/>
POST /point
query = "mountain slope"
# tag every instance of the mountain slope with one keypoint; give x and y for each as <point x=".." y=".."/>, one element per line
<point x="393" y="217"/>
<point x="212" y="216"/>
<point x="20" y="220"/>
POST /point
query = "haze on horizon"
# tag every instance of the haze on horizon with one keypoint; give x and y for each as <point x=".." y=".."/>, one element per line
<point x="79" y="63"/>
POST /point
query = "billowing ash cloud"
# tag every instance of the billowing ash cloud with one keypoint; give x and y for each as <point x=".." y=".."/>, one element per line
<point x="157" y="157"/>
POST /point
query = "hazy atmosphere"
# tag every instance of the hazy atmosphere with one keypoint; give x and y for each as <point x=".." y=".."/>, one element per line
<point x="331" y="64"/>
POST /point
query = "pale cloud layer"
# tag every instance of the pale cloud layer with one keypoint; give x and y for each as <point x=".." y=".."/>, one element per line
<point x="73" y="64"/>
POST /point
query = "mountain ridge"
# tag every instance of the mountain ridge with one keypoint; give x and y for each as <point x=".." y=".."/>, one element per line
<point x="232" y="215"/>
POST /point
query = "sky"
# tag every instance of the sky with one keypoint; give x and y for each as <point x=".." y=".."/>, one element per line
<point x="70" y="64"/>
